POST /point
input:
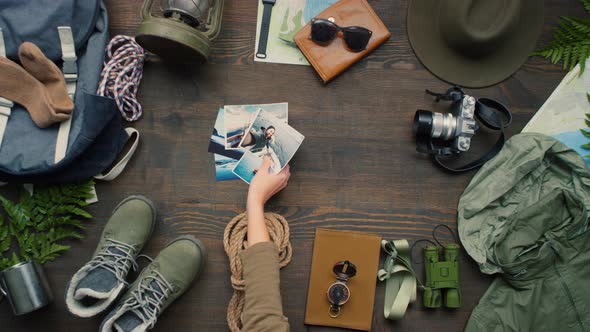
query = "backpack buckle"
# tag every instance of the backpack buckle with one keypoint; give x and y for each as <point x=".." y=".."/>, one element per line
<point x="68" y="55"/>
<point x="5" y="103"/>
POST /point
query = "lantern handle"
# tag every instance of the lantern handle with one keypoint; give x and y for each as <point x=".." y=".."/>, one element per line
<point x="145" y="9"/>
<point x="216" y="14"/>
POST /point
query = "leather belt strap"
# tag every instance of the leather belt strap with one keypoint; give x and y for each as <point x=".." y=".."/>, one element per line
<point x="70" y="71"/>
<point x="5" y="104"/>
<point x="400" y="279"/>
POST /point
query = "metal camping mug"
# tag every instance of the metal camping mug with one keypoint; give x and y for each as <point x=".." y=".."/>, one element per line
<point x="26" y="287"/>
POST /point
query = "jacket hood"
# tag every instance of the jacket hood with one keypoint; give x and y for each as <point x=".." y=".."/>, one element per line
<point x="535" y="192"/>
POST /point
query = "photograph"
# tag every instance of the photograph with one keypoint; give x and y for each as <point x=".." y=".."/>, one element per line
<point x="217" y="142"/>
<point x="224" y="167"/>
<point x="238" y="118"/>
<point x="270" y="136"/>
<point x="247" y="167"/>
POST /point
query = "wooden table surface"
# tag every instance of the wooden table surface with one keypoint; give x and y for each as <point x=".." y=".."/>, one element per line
<point x="357" y="169"/>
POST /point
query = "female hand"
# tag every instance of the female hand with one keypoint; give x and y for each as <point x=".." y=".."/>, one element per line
<point x="264" y="185"/>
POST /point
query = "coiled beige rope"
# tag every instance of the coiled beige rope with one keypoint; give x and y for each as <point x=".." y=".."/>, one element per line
<point x="234" y="241"/>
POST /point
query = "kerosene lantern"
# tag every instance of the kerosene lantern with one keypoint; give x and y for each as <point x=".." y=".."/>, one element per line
<point x="180" y="30"/>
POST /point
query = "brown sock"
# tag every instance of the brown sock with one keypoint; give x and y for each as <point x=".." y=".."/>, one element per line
<point x="17" y="85"/>
<point x="43" y="69"/>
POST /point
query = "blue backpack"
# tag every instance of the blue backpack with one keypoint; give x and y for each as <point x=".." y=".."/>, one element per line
<point x="73" y="34"/>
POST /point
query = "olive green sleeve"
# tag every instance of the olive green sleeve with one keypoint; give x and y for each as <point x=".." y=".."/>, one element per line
<point x="263" y="309"/>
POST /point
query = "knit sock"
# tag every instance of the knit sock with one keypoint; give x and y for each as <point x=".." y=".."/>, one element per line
<point x="17" y="85"/>
<point x="44" y="70"/>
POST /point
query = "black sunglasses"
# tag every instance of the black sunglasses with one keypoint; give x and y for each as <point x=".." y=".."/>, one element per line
<point x="324" y="31"/>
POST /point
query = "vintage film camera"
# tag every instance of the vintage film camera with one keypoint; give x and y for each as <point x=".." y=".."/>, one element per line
<point x="447" y="134"/>
<point x="458" y="125"/>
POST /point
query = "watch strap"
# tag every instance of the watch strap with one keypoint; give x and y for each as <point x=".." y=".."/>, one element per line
<point x="264" y="28"/>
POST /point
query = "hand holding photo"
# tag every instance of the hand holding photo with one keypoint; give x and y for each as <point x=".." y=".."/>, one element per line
<point x="238" y="118"/>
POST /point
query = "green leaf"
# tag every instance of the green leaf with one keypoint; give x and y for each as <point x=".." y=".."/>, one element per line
<point x="570" y="43"/>
<point x="40" y="223"/>
<point x="586" y="146"/>
<point x="585" y="132"/>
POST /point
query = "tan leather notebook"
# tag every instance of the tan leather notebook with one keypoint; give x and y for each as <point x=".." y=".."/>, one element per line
<point x="331" y="60"/>
<point x="330" y="247"/>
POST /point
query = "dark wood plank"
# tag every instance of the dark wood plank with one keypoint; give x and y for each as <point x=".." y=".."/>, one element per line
<point x="357" y="168"/>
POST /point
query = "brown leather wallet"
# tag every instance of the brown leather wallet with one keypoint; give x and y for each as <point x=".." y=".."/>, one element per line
<point x="329" y="248"/>
<point x="331" y="60"/>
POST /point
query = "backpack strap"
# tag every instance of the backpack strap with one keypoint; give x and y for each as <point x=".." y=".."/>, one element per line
<point x="70" y="71"/>
<point x="5" y="104"/>
<point x="68" y="55"/>
<point x="113" y="173"/>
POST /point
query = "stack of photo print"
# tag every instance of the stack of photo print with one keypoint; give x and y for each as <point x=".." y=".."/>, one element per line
<point x="245" y="134"/>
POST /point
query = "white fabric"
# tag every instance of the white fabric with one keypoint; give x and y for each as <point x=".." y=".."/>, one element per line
<point x="79" y="309"/>
<point x="5" y="104"/>
<point x="70" y="71"/>
<point x="5" y="109"/>
<point x="110" y="323"/>
<point x="2" y="47"/>
<point x="81" y="293"/>
<point x="120" y="166"/>
<point x="61" y="144"/>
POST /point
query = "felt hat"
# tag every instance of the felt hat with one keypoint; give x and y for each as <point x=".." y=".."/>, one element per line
<point x="474" y="43"/>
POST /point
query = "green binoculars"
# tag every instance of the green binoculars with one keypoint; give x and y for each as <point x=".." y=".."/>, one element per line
<point x="442" y="277"/>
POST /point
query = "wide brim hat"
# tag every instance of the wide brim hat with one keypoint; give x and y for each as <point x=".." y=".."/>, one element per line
<point x="474" y="43"/>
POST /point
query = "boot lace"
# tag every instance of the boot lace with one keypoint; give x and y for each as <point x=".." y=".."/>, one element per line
<point x="117" y="258"/>
<point x="148" y="299"/>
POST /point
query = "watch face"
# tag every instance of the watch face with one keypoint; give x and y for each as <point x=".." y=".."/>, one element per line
<point x="338" y="293"/>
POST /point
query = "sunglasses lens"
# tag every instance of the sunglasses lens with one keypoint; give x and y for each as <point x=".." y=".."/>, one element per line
<point x="357" y="38"/>
<point x="323" y="31"/>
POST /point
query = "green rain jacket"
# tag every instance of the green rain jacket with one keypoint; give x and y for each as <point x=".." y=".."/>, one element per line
<point x="524" y="217"/>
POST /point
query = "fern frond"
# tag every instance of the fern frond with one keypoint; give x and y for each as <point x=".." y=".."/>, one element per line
<point x="570" y="43"/>
<point x="5" y="239"/>
<point x="41" y="221"/>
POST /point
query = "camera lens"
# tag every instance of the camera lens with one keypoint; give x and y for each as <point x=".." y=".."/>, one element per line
<point x="423" y="121"/>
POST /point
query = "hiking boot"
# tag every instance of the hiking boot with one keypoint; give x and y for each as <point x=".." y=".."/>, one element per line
<point x="167" y="277"/>
<point x="100" y="281"/>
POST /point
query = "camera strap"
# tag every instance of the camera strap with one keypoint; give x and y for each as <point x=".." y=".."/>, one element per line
<point x="400" y="279"/>
<point x="487" y="112"/>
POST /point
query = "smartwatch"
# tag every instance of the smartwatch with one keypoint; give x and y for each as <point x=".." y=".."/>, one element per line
<point x="264" y="27"/>
<point x="338" y="292"/>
